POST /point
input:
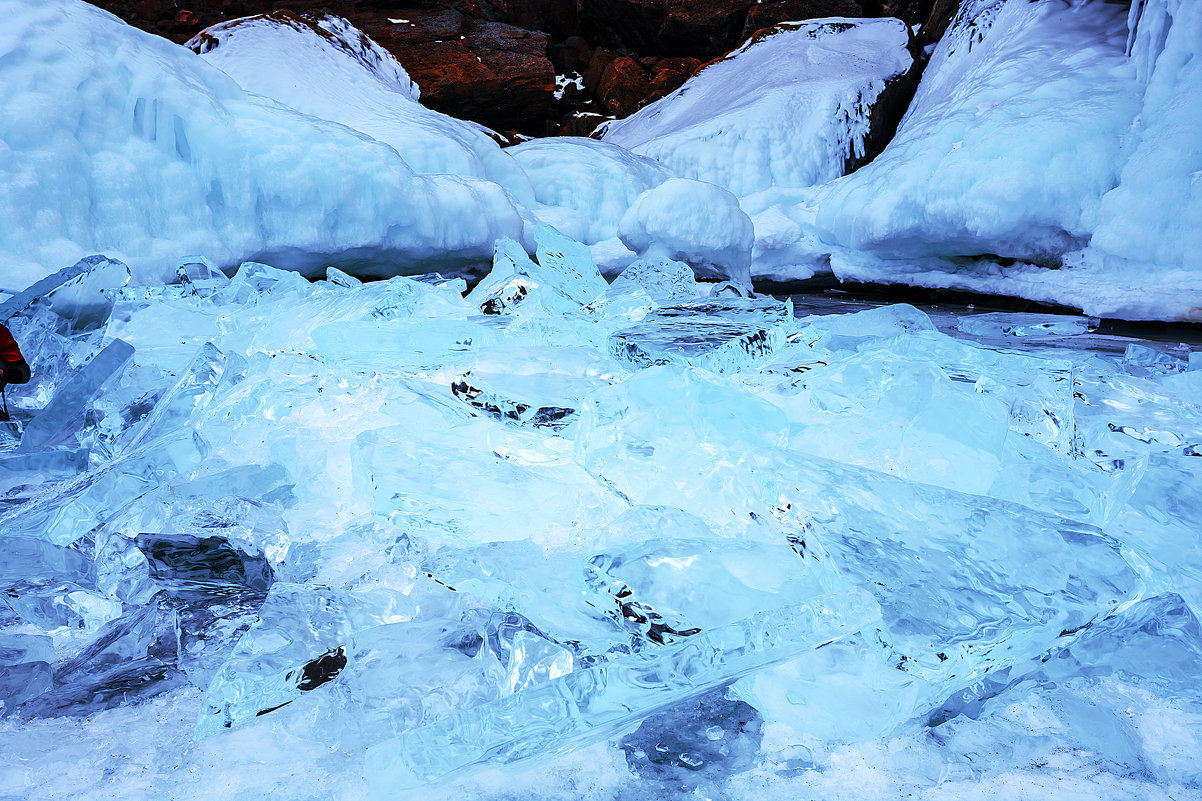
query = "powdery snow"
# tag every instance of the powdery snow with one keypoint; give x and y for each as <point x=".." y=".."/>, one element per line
<point x="784" y="110"/>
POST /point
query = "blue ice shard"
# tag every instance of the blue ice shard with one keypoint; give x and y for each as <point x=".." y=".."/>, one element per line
<point x="594" y="702"/>
<point x="40" y="289"/>
<point x="722" y="335"/>
<point x="567" y="266"/>
<point x="1007" y="324"/>
<point x="67" y="408"/>
<point x="663" y="279"/>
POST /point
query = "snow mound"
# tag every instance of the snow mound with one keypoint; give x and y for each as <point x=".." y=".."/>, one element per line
<point x="787" y="109"/>
<point x="1008" y="147"/>
<point x="694" y="222"/>
<point x="322" y="65"/>
<point x="118" y="141"/>
<point x="582" y="186"/>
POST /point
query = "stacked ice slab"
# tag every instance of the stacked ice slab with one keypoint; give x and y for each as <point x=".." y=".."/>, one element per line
<point x="447" y="531"/>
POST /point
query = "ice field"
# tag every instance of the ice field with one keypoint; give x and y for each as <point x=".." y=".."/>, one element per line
<point x="272" y="538"/>
<point x="609" y="521"/>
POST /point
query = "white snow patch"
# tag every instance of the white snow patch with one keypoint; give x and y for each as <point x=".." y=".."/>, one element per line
<point x="784" y="110"/>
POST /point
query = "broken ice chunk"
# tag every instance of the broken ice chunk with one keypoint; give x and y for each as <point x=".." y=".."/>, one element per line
<point x="665" y="590"/>
<point x="1146" y="362"/>
<point x="542" y="387"/>
<point x="592" y="703"/>
<point x="723" y="335"/>
<point x="1009" y="324"/>
<point x="23" y="300"/>
<point x="73" y="509"/>
<point x="392" y="346"/>
<point x="51" y="586"/>
<point x="848" y="331"/>
<point x="414" y="477"/>
<point x="568" y="266"/>
<point x="67" y="407"/>
<point x="197" y="269"/>
<point x="85" y="301"/>
<point x="34" y="468"/>
<point x="255" y="283"/>
<point x="517" y="285"/>
<point x="664" y="280"/>
<point x="25" y="670"/>
<point x="297" y="645"/>
<point x="128" y="658"/>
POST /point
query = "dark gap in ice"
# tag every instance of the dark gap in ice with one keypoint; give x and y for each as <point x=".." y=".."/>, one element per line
<point x="321" y="670"/>
<point x="701" y="739"/>
<point x="186" y="565"/>
<point x="508" y="410"/>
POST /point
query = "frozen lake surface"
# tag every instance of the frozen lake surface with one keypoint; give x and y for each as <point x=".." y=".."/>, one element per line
<point x="267" y="538"/>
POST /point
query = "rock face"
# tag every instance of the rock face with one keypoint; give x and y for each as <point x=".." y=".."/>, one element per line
<point x="491" y="72"/>
<point x="543" y="67"/>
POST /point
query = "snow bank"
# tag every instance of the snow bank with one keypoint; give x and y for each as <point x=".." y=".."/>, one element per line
<point x="582" y="186"/>
<point x="321" y="65"/>
<point x="695" y="222"/>
<point x="1151" y="223"/>
<point x="787" y="109"/>
<point x="118" y="141"/>
<point x="1014" y="136"/>
<point x="1034" y="141"/>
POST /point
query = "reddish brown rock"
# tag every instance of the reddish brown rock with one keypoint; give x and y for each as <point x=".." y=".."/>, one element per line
<point x="697" y="28"/>
<point x="766" y="15"/>
<point x="668" y="75"/>
<point x="573" y="54"/>
<point x="623" y="87"/>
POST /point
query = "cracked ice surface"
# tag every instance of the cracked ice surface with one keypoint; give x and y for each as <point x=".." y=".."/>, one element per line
<point x="262" y="538"/>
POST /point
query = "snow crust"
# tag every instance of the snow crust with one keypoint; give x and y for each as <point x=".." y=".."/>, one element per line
<point x="116" y="140"/>
<point x="1151" y="223"/>
<point x="815" y="82"/>
<point x="584" y="186"/>
<point x="1006" y="149"/>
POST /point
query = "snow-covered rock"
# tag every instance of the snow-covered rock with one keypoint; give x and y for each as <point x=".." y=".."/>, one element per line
<point x="787" y="109"/>
<point x="1038" y="138"/>
<point x="1012" y="139"/>
<point x="117" y="141"/>
<point x="1151" y="223"/>
<point x="322" y="65"/>
<point x="582" y="186"/>
<point x="694" y="222"/>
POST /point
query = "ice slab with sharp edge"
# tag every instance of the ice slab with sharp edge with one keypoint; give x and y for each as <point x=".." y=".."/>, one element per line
<point x="719" y="334"/>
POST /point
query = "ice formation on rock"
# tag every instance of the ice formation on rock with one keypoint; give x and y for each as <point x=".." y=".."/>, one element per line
<point x="694" y="222"/>
<point x="815" y="84"/>
<point x="1011" y="160"/>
